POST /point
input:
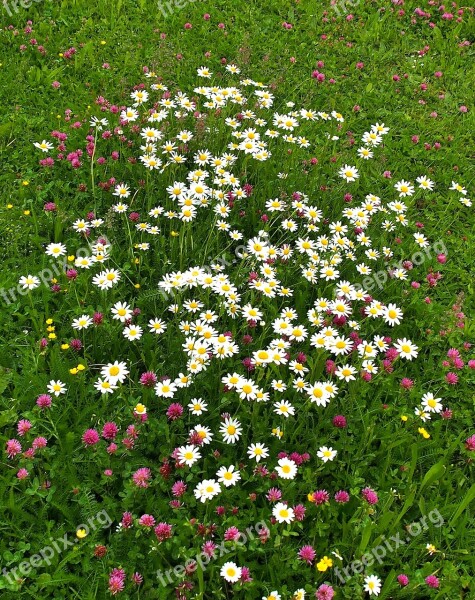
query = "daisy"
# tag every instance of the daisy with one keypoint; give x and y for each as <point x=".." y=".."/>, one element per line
<point x="188" y="455"/>
<point x="231" y="430"/>
<point x="121" y="311"/>
<point x="406" y="349"/>
<point x="287" y="469"/>
<point x="105" y="387"/>
<point x="115" y="372"/>
<point x="422" y="414"/>
<point x="372" y="585"/>
<point x="207" y="489"/>
<point x="30" y="282"/>
<point x="430" y="403"/>
<point x="282" y="513"/>
<point x="55" y="249"/>
<point x="106" y="279"/>
<point x="421" y="240"/>
<point x="257" y="451"/>
<point x="348" y="173"/>
<point x="120" y="207"/>
<point x="284" y="408"/>
<point x="231" y="572"/>
<point x="458" y="188"/>
<point x="346" y="372"/>
<point x="326" y="454"/>
<point x="157" y="326"/>
<point x="56" y="387"/>
<point x="82" y="322"/>
<point x="204" y="433"/>
<point x="228" y="476"/>
<point x="84" y="262"/>
<point x="132" y="332"/>
<point x="404" y="188"/>
<point x="318" y="394"/>
<point x="122" y="190"/>
<point x="365" y="153"/>
<point x="425" y="183"/>
<point x="44" y="146"/>
<point x="204" y="72"/>
<point x="165" y="388"/>
<point x="129" y="114"/>
<point x="392" y="314"/>
<point x="341" y="345"/>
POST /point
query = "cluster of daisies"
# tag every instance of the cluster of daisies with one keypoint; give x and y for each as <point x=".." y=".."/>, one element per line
<point x="296" y="251"/>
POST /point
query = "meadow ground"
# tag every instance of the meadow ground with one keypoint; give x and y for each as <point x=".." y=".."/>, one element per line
<point x="237" y="347"/>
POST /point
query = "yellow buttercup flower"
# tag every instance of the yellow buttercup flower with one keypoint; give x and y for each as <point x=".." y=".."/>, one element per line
<point x="73" y="371"/>
<point x="81" y="533"/>
<point x="324" y="564"/>
<point x="49" y="321"/>
<point x="64" y="346"/>
<point x="424" y="433"/>
<point x="80" y="367"/>
<point x="403" y="418"/>
<point x="52" y="336"/>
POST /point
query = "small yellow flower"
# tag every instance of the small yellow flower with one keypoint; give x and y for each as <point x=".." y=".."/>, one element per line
<point x="137" y="286"/>
<point x="174" y="233"/>
<point x="81" y="533"/>
<point x="49" y="321"/>
<point x="26" y="212"/>
<point x="137" y="260"/>
<point x="103" y="42"/>
<point x="58" y="116"/>
<point x="80" y="367"/>
<point x="25" y="182"/>
<point x="52" y="336"/>
<point x="50" y="328"/>
<point x="403" y="418"/>
<point x="431" y="549"/>
<point x="73" y="371"/>
<point x="61" y="55"/>
<point x="64" y="346"/>
<point x="71" y="257"/>
<point x="310" y="497"/>
<point x="424" y="433"/>
<point x="54" y="280"/>
<point x="324" y="564"/>
<point x="9" y="205"/>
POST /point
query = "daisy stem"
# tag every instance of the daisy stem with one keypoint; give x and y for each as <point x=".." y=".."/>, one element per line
<point x="92" y="171"/>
